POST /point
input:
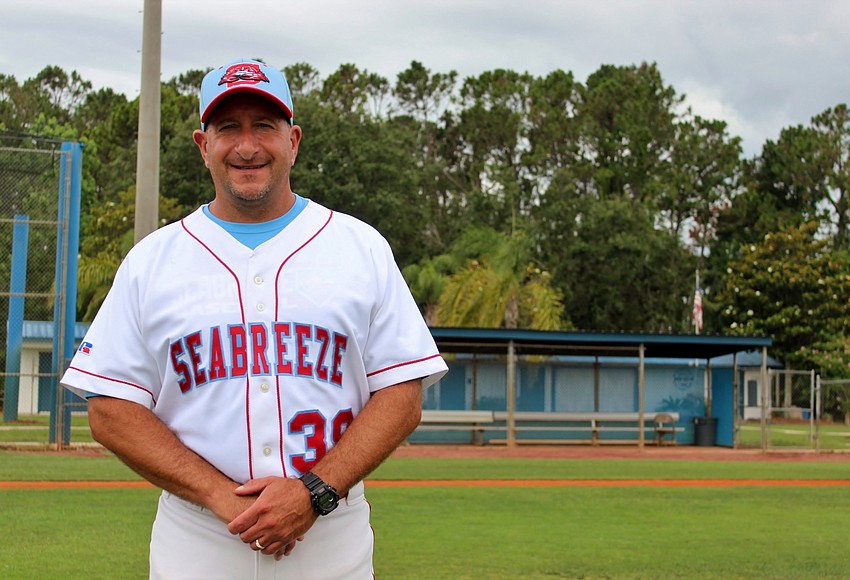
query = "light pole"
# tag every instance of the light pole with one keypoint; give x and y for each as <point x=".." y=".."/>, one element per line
<point x="147" y="157"/>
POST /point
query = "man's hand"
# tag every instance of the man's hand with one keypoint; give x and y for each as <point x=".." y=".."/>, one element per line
<point x="278" y="518"/>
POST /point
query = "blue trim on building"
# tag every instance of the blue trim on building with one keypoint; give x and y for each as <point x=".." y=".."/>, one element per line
<point x="39" y="330"/>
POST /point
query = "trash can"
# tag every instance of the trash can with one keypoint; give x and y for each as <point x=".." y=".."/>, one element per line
<point x="705" y="431"/>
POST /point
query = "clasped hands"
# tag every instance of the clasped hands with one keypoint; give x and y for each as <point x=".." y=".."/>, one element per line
<point x="278" y="514"/>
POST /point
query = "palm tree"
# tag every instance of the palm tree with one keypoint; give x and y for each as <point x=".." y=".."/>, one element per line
<point x="500" y="287"/>
<point x="427" y="280"/>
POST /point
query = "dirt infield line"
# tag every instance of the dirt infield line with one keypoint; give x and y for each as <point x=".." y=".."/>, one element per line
<point x="485" y="483"/>
<point x="614" y="483"/>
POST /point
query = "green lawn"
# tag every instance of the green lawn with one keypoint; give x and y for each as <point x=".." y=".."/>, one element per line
<point x="479" y="533"/>
<point x="833" y="436"/>
<point x="36" y="429"/>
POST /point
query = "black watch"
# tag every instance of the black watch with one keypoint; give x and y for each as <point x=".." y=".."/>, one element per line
<point x="324" y="497"/>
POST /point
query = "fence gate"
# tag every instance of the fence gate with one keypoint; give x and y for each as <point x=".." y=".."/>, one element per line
<point x="39" y="240"/>
<point x="833" y="412"/>
<point x="789" y="405"/>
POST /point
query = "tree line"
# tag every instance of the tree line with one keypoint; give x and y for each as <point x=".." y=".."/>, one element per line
<point x="514" y="200"/>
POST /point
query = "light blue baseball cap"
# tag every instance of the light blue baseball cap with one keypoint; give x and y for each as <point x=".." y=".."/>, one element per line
<point x="245" y="76"/>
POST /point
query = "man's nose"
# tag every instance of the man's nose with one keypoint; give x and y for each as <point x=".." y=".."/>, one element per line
<point x="246" y="145"/>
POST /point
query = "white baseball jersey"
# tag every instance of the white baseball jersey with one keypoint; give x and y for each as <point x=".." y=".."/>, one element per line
<point x="257" y="359"/>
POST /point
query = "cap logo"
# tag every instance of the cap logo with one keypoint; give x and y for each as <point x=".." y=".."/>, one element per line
<point x="244" y="73"/>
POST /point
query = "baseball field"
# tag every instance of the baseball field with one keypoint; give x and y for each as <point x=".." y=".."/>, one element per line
<point x="486" y="512"/>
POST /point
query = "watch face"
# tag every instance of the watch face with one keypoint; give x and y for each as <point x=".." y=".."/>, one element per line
<point x="326" y="500"/>
<point x="324" y="497"/>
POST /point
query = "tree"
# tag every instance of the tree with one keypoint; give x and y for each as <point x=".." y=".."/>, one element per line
<point x="806" y="172"/>
<point x="502" y="288"/>
<point x="351" y="91"/>
<point x="361" y="166"/>
<point x="303" y="79"/>
<point x="622" y="273"/>
<point x="628" y="118"/>
<point x="833" y="158"/>
<point x="427" y="280"/>
<point x="106" y="238"/>
<point x="791" y="288"/>
<point x="703" y="178"/>
<point x="491" y="127"/>
<point x="554" y="129"/>
<point x="423" y="97"/>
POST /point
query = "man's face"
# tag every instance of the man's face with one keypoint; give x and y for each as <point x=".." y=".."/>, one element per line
<point x="249" y="149"/>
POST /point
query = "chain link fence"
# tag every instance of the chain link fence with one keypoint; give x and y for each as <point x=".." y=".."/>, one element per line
<point x="833" y="411"/>
<point x="35" y="195"/>
<point x="790" y="415"/>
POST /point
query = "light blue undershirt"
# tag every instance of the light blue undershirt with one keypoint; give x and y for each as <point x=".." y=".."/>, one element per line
<point x="254" y="234"/>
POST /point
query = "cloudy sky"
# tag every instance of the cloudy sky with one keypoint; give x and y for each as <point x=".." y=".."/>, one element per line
<point x="759" y="65"/>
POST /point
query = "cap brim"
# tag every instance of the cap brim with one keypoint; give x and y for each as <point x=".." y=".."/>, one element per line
<point x="246" y="89"/>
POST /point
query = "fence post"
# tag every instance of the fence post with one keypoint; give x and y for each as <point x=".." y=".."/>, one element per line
<point x="14" y="330"/>
<point x="817" y="410"/>
<point x="511" y="402"/>
<point x="765" y="398"/>
<point x="65" y="308"/>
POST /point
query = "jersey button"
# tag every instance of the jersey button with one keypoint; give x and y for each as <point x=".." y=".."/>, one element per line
<point x="264" y="387"/>
<point x="261" y="307"/>
<point x="267" y="451"/>
<point x="258" y="280"/>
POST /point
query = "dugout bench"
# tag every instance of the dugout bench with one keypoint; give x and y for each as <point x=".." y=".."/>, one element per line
<point x="602" y="427"/>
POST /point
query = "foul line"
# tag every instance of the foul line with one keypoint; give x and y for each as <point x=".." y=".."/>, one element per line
<point x="612" y="483"/>
<point x="484" y="483"/>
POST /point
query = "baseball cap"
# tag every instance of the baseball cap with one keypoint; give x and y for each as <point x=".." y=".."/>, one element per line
<point x="245" y="76"/>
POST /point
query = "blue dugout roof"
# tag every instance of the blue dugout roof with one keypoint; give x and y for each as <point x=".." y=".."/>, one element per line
<point x="544" y="342"/>
<point x="40" y="330"/>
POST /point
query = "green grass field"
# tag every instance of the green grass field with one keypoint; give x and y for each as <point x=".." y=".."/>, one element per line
<point x="479" y="533"/>
<point x="36" y="429"/>
<point x="797" y="435"/>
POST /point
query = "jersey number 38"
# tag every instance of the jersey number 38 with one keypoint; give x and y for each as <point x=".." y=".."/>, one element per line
<point x="314" y="427"/>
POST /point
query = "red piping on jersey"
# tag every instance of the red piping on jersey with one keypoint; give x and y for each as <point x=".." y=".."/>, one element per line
<point x="242" y="312"/>
<point x="129" y="384"/>
<point x="277" y="315"/>
<point x="412" y="362"/>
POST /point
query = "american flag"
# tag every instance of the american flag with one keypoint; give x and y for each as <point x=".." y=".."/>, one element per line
<point x="698" y="309"/>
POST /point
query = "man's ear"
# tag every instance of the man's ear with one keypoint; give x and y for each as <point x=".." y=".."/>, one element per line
<point x="200" y="138"/>
<point x="295" y="140"/>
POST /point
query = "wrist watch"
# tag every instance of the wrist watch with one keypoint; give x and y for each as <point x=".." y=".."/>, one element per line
<point x="324" y="497"/>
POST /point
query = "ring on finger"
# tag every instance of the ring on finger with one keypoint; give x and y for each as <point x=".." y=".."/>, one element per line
<point x="258" y="545"/>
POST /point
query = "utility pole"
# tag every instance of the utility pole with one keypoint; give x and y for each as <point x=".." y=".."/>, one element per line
<point x="147" y="157"/>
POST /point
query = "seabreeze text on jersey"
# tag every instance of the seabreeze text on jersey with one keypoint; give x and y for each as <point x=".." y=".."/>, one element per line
<point x="257" y="348"/>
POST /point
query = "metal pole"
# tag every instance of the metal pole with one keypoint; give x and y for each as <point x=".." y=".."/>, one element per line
<point x="57" y="404"/>
<point x="812" y="408"/>
<point x="15" y="324"/>
<point x="641" y="395"/>
<point x="736" y="408"/>
<point x="817" y="410"/>
<point x="71" y="249"/>
<point x="511" y="402"/>
<point x="147" y="157"/>
<point x="765" y="395"/>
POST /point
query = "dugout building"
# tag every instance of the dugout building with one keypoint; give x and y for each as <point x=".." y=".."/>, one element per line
<point x="526" y="386"/>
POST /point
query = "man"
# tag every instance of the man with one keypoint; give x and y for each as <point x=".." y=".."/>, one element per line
<point x="257" y="359"/>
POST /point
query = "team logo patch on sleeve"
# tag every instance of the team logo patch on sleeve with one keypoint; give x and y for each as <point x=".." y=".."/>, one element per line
<point x="85" y="348"/>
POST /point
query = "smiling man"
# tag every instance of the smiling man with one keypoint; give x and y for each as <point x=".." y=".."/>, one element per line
<point x="257" y="359"/>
